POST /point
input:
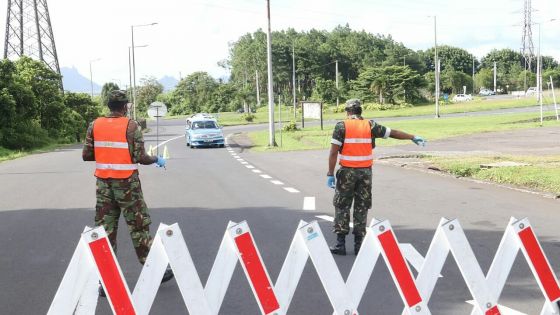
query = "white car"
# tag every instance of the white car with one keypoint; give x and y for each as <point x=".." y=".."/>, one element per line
<point x="531" y="91"/>
<point x="462" y="98"/>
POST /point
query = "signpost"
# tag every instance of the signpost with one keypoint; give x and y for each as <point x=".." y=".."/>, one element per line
<point x="157" y="110"/>
<point x="312" y="110"/>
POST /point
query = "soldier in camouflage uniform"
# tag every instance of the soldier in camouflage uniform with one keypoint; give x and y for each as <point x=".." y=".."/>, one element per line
<point x="354" y="139"/>
<point x="123" y="195"/>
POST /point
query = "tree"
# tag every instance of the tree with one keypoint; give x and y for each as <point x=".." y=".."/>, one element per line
<point x="106" y="90"/>
<point x="147" y="93"/>
<point x="451" y="57"/>
<point x="484" y="79"/>
<point x="325" y="90"/>
<point x="194" y="93"/>
<point x="453" y="81"/>
<point x="83" y="105"/>
<point x="389" y="83"/>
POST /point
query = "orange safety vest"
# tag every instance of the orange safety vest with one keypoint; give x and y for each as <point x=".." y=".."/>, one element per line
<point x="357" y="150"/>
<point x="112" y="155"/>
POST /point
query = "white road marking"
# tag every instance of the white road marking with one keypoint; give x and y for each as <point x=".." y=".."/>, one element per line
<point x="330" y="219"/>
<point x="166" y="141"/>
<point x="276" y="182"/>
<point x="249" y="166"/>
<point x="265" y="176"/>
<point x="290" y="189"/>
<point x="245" y="163"/>
<point x="309" y="203"/>
<point x="257" y="171"/>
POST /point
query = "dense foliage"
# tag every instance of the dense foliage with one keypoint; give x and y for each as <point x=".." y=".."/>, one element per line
<point x="34" y="111"/>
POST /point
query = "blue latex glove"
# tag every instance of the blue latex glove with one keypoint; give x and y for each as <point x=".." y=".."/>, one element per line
<point x="160" y="162"/>
<point x="419" y="141"/>
<point x="330" y="182"/>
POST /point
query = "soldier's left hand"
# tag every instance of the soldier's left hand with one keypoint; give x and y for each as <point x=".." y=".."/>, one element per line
<point x="419" y="141"/>
<point x="330" y="182"/>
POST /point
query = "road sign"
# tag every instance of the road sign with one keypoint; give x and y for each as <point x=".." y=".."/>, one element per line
<point x="157" y="109"/>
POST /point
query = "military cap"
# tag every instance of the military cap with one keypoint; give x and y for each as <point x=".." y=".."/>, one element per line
<point x="353" y="103"/>
<point x="118" y="96"/>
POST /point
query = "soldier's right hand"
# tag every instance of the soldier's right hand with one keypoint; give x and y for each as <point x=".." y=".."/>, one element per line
<point x="161" y="162"/>
<point x="330" y="181"/>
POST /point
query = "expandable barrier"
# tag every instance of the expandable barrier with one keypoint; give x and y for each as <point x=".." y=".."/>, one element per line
<point x="94" y="262"/>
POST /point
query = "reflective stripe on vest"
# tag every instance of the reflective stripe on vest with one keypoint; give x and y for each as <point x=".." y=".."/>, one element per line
<point x="112" y="155"/>
<point x="357" y="149"/>
<point x="109" y="144"/>
<point x="119" y="167"/>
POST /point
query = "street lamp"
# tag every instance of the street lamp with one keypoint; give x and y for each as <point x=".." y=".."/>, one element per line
<point x="271" y="135"/>
<point x="130" y="68"/>
<point x="91" y="74"/>
<point x="436" y="65"/>
<point x="134" y="65"/>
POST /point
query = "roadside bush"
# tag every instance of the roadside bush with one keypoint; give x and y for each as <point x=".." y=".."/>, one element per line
<point x="291" y="126"/>
<point x="25" y="135"/>
<point x="248" y="117"/>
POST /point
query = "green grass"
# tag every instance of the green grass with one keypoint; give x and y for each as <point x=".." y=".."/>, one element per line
<point x="430" y="129"/>
<point x="543" y="173"/>
<point x="479" y="104"/>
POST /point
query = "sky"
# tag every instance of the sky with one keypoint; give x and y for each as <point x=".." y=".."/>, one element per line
<point x="194" y="35"/>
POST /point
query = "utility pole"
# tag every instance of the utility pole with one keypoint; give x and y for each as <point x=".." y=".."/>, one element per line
<point x="494" y="77"/>
<point x="539" y="74"/>
<point x="91" y="75"/>
<point x="258" y="89"/>
<point x="473" y="84"/>
<point x="294" y="77"/>
<point x="436" y="66"/>
<point x="271" y="135"/>
<point x="336" y="69"/>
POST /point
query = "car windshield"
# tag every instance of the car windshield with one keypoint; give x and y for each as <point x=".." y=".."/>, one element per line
<point x="204" y="125"/>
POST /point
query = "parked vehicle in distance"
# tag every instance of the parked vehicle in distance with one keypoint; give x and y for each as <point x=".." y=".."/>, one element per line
<point x="202" y="130"/>
<point x="531" y="91"/>
<point x="462" y="98"/>
<point x="486" y="92"/>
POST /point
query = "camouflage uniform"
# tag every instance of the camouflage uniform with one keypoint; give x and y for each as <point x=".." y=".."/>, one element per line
<point x="123" y="195"/>
<point x="353" y="185"/>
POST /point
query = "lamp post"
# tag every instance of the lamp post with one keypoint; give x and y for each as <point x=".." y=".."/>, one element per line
<point x="436" y="65"/>
<point x="91" y="74"/>
<point x="130" y="68"/>
<point x="134" y="66"/>
<point x="271" y="135"/>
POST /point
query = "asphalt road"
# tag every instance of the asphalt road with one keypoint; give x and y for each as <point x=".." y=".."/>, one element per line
<point x="47" y="199"/>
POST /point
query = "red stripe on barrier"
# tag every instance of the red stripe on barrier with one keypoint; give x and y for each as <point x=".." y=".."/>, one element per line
<point x="257" y="274"/>
<point x="400" y="269"/>
<point x="539" y="262"/>
<point x="116" y="290"/>
<point x="493" y="311"/>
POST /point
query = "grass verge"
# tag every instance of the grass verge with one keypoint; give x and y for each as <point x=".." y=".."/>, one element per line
<point x="431" y="129"/>
<point x="543" y="173"/>
<point x="287" y="113"/>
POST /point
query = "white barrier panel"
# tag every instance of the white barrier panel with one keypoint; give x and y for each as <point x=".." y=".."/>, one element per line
<point x="94" y="261"/>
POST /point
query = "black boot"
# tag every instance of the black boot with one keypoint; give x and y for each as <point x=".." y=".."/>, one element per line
<point x="358" y="243"/>
<point x="168" y="275"/>
<point x="339" y="248"/>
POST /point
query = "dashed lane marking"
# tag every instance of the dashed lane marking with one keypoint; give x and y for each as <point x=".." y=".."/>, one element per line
<point x="309" y="203"/>
<point x="265" y="176"/>
<point x="276" y="182"/>
<point x="249" y="166"/>
<point x="257" y="171"/>
<point x="290" y="189"/>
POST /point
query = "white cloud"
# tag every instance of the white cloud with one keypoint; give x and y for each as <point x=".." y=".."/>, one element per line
<point x="193" y="35"/>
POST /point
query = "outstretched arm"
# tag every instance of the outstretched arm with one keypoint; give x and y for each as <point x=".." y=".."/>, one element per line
<point x="401" y="135"/>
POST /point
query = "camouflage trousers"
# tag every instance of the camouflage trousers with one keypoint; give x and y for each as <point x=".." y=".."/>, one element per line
<point x="116" y="196"/>
<point x="353" y="185"/>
